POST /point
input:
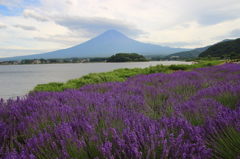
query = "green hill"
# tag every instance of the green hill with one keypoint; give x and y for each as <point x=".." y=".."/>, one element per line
<point x="125" y="57"/>
<point x="223" y="49"/>
<point x="192" y="53"/>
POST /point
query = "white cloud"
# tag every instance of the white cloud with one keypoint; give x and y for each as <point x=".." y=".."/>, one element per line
<point x="19" y="52"/>
<point x="68" y="39"/>
<point x="235" y="33"/>
<point x="216" y="16"/>
<point x="2" y="26"/>
<point x="69" y="2"/>
<point x="27" y="13"/>
<point x="24" y="27"/>
<point x="12" y="3"/>
<point x="19" y="39"/>
<point x="92" y="26"/>
<point x="176" y="44"/>
<point x="2" y="1"/>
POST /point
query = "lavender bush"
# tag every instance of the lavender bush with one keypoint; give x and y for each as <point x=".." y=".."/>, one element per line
<point x="193" y="114"/>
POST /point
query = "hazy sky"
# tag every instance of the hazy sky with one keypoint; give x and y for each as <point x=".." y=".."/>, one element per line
<point x="38" y="26"/>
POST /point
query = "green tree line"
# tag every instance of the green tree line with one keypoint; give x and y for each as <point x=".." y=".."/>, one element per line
<point x="125" y="57"/>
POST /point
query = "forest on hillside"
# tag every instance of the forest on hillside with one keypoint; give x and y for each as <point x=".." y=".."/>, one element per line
<point x="227" y="49"/>
<point x="125" y="57"/>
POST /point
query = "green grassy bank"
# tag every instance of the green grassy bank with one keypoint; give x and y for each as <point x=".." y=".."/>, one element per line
<point x="118" y="75"/>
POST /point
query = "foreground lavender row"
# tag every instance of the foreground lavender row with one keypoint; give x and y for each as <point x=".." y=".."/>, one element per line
<point x="180" y="115"/>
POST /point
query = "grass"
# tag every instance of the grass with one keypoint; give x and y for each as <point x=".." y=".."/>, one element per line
<point x="118" y="75"/>
<point x="225" y="143"/>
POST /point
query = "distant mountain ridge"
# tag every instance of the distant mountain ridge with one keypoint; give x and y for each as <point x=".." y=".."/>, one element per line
<point x="189" y="54"/>
<point x="195" y="52"/>
<point x="106" y="44"/>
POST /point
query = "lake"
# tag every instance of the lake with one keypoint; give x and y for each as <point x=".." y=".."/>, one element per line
<point x="18" y="80"/>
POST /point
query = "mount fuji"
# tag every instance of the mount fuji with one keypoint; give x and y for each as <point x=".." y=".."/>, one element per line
<point x="104" y="45"/>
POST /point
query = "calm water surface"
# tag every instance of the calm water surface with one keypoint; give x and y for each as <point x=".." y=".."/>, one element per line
<point x="18" y="80"/>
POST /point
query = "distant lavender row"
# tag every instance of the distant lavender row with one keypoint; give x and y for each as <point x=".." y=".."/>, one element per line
<point x="192" y="114"/>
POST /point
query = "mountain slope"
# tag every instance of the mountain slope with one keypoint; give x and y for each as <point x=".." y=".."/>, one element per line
<point x="189" y="54"/>
<point x="106" y="44"/>
<point x="193" y="53"/>
<point x="222" y="48"/>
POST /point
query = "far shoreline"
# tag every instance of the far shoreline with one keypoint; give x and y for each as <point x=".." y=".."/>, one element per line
<point x="95" y="62"/>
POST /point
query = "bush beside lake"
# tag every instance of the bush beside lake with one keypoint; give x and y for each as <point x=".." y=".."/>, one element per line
<point x="185" y="114"/>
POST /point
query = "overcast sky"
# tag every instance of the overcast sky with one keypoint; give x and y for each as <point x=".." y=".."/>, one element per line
<point x="38" y="26"/>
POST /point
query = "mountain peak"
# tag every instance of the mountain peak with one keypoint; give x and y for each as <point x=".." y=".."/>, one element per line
<point x="113" y="32"/>
<point x="110" y="35"/>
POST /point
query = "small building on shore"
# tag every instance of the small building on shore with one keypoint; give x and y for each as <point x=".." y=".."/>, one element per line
<point x="36" y="62"/>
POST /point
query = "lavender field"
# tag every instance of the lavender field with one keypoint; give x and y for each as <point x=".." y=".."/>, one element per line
<point x="185" y="114"/>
